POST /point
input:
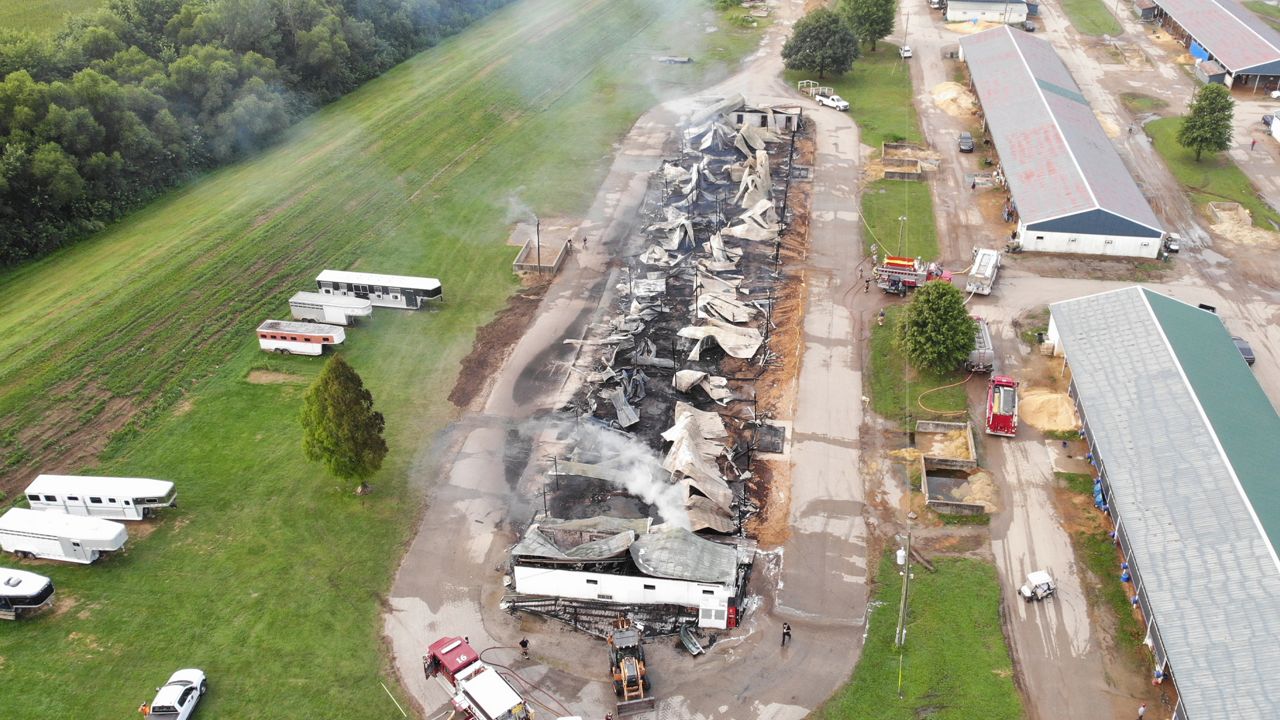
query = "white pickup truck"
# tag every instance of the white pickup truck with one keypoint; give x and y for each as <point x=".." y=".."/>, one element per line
<point x="831" y="101"/>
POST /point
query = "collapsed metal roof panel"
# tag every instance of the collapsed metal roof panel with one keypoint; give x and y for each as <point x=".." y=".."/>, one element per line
<point x="1186" y="437"/>
<point x="1056" y="157"/>
<point x="1236" y="37"/>
<point x="677" y="554"/>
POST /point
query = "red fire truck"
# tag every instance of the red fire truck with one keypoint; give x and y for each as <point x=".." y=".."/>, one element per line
<point x="1002" y="406"/>
<point x="476" y="690"/>
<point x="900" y="274"/>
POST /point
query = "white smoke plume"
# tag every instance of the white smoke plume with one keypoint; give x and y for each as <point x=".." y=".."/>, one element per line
<point x="635" y="467"/>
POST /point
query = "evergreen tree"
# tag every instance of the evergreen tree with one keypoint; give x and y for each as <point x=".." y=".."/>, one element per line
<point x="340" y="426"/>
<point x="935" y="331"/>
<point x="820" y="43"/>
<point x="1208" y="125"/>
<point x="870" y="20"/>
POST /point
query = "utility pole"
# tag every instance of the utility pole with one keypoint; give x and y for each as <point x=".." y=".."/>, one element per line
<point x="900" y="636"/>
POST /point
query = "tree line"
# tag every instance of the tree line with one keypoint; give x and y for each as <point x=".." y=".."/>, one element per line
<point x="131" y="98"/>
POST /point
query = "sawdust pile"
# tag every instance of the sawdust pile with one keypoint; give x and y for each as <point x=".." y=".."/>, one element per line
<point x="955" y="99"/>
<point x="980" y="489"/>
<point x="969" y="28"/>
<point x="907" y="455"/>
<point x="1047" y="410"/>
<point x="1235" y="223"/>
<point x="953" y="444"/>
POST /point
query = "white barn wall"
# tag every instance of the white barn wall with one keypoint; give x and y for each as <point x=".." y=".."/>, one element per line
<point x="1085" y="244"/>
<point x="961" y="11"/>
<point x="627" y="589"/>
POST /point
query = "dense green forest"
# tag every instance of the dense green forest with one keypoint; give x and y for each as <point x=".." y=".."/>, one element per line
<point x="131" y="98"/>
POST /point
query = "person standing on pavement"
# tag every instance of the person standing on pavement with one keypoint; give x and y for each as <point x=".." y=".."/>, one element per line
<point x="786" y="633"/>
<point x="1253" y="144"/>
<point x="524" y="648"/>
<point x="866" y="287"/>
<point x="1142" y="711"/>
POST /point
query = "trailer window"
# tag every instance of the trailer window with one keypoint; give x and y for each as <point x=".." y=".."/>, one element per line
<point x="51" y="498"/>
<point x="95" y="501"/>
<point x="708" y="592"/>
<point x="33" y="498"/>
<point x="650" y="587"/>
<point x="73" y="498"/>
<point x="306" y="339"/>
<point x="593" y="582"/>
<point x="111" y="500"/>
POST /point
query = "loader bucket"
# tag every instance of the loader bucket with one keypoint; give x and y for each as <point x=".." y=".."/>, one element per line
<point x="635" y="707"/>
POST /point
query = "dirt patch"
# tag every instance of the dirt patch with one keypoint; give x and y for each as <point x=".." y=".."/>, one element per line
<point x="772" y="527"/>
<point x="63" y="603"/>
<point x="1235" y="223"/>
<point x="1047" y="410"/>
<point x="955" y="99"/>
<point x="1092" y="267"/>
<point x="492" y="345"/>
<point x="142" y="529"/>
<point x="969" y="28"/>
<point x="272" y="377"/>
<point x="183" y="407"/>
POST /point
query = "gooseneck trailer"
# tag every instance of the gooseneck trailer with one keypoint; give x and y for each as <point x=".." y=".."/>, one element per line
<point x="23" y="592"/>
<point x="397" y="291"/>
<point x="57" y="536"/>
<point x="298" y="338"/>
<point x="331" y="309"/>
<point x="111" y="498"/>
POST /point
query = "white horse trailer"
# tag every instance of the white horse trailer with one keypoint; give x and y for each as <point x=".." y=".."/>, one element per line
<point x="57" y="536"/>
<point x="298" y="338"/>
<point x="397" y="291"/>
<point x="111" y="498"/>
<point x="332" y="309"/>
<point x="23" y="592"/>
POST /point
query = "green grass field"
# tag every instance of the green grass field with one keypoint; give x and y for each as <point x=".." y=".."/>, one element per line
<point x="955" y="665"/>
<point x="896" y="387"/>
<point x="884" y="202"/>
<point x="270" y="576"/>
<point x="1139" y="103"/>
<point x="878" y="90"/>
<point x="1215" y="178"/>
<point x="41" y="15"/>
<point x="1092" y="17"/>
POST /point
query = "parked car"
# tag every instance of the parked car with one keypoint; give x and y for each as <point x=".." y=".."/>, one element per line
<point x="904" y="51"/>
<point x="966" y="142"/>
<point x="1039" y="586"/>
<point x="1246" y="351"/>
<point x="177" y="699"/>
<point x="1172" y="243"/>
<point x="1029" y="26"/>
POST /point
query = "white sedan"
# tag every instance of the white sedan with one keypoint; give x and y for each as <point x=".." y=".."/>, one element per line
<point x="178" y="698"/>
<point x="904" y="51"/>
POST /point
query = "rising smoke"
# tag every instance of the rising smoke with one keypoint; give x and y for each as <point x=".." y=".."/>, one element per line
<point x="636" y="467"/>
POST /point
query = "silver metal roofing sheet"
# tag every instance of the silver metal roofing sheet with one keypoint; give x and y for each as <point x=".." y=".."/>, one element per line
<point x="1235" y="36"/>
<point x="1055" y="154"/>
<point x="1210" y="574"/>
<point x="678" y="554"/>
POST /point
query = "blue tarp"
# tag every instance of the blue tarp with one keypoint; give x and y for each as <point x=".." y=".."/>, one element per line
<point x="1198" y="52"/>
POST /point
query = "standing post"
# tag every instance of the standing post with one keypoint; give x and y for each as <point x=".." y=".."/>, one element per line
<point x="900" y="636"/>
<point x="537" y="240"/>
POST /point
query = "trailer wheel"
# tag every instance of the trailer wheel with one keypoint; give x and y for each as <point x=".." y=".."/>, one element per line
<point x="204" y="686"/>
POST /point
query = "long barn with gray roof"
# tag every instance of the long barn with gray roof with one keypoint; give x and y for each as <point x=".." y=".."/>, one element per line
<point x="1071" y="190"/>
<point x="1185" y="443"/>
<point x="1228" y="34"/>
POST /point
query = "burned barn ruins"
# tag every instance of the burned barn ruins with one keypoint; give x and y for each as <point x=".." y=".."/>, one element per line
<point x="646" y="470"/>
